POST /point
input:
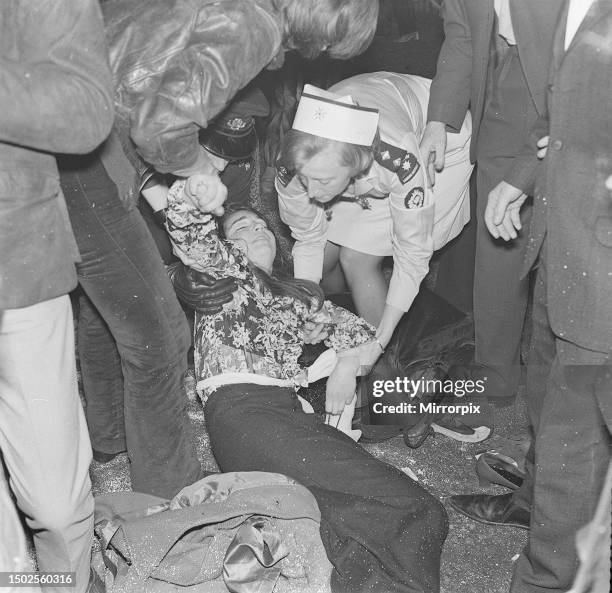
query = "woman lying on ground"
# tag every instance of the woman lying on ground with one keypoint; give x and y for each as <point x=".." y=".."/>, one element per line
<point x="381" y="530"/>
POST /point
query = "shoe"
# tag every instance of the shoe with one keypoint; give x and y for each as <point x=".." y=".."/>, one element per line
<point x="494" y="468"/>
<point x="95" y="584"/>
<point x="491" y="509"/>
<point x="102" y="457"/>
<point x="453" y="428"/>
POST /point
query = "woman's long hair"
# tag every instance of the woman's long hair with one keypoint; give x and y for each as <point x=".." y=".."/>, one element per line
<point x="278" y="283"/>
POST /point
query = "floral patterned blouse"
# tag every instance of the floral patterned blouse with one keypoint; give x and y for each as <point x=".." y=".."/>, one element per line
<point x="256" y="332"/>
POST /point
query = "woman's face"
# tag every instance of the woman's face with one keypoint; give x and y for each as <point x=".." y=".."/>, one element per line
<point x="323" y="177"/>
<point x="251" y="233"/>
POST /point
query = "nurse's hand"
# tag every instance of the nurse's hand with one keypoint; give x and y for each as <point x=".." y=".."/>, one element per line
<point x="433" y="149"/>
<point x="206" y="192"/>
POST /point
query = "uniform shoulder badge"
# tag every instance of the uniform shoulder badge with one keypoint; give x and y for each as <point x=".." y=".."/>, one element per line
<point x="403" y="163"/>
<point x="415" y="198"/>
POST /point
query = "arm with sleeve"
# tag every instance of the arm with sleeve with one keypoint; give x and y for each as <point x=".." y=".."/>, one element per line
<point x="412" y="215"/>
<point x="194" y="234"/>
<point x="65" y="79"/>
<point x="451" y="88"/>
<point x="308" y="224"/>
<point x="228" y="47"/>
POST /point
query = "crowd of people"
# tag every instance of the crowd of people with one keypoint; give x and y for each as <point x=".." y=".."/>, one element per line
<point x="128" y="160"/>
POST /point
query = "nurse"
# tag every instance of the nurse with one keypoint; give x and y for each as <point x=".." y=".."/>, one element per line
<point x="353" y="188"/>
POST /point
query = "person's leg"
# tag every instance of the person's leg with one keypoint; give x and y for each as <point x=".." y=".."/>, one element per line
<point x="102" y="381"/>
<point x="513" y="509"/>
<point x="540" y="356"/>
<point x="366" y="282"/>
<point x="573" y="448"/>
<point x="333" y="281"/>
<point x="123" y="275"/>
<point x="381" y="530"/>
<point x="43" y="435"/>
<point x="500" y="294"/>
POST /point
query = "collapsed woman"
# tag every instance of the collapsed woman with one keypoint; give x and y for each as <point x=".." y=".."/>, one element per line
<point x="381" y="530"/>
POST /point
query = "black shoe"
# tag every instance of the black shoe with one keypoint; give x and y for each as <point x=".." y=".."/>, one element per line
<point x="95" y="585"/>
<point x="102" y="457"/>
<point x="491" y="509"/>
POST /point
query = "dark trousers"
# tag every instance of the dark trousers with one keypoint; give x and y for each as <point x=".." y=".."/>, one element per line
<point x="381" y="530"/>
<point x="132" y="338"/>
<point x="539" y="359"/>
<point x="500" y="294"/>
<point x="573" y="446"/>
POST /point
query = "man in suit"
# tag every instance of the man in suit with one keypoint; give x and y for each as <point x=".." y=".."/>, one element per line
<point x="495" y="59"/>
<point x="571" y="243"/>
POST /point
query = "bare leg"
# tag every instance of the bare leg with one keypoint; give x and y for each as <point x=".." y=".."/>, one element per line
<point x="366" y="282"/>
<point x="333" y="280"/>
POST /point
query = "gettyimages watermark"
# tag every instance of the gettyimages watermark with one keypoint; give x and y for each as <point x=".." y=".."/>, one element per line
<point x="407" y="388"/>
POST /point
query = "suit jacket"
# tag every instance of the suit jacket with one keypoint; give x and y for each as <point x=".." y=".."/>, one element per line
<point x="573" y="208"/>
<point x="55" y="97"/>
<point x="461" y="76"/>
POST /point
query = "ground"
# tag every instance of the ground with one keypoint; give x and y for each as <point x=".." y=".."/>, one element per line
<point x="476" y="558"/>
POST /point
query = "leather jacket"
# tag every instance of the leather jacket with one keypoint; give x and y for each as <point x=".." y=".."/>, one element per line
<point x="178" y="63"/>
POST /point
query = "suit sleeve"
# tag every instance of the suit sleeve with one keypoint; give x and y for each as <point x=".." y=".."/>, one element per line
<point x="525" y="165"/>
<point x="59" y="99"/>
<point x="450" y="89"/>
<point x="308" y="224"/>
<point x="221" y="56"/>
<point x="412" y="215"/>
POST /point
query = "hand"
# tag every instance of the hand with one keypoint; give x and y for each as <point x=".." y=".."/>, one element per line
<point x="341" y="385"/>
<point x="206" y="192"/>
<point x="433" y="149"/>
<point x="543" y="146"/>
<point x="314" y="332"/>
<point x="502" y="215"/>
<point x="201" y="291"/>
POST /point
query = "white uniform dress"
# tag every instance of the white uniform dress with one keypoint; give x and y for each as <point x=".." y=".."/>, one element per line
<point x="390" y="210"/>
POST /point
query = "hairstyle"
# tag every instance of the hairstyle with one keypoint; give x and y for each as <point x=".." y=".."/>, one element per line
<point x="299" y="147"/>
<point x="278" y="283"/>
<point x="344" y="27"/>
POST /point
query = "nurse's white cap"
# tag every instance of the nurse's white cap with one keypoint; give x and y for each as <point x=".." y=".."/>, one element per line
<point x="325" y="114"/>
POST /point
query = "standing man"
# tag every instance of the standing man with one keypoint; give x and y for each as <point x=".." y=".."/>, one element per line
<point x="494" y="60"/>
<point x="55" y="96"/>
<point x="571" y="237"/>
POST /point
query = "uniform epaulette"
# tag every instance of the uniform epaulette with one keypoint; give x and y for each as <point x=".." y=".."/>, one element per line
<point x="401" y="162"/>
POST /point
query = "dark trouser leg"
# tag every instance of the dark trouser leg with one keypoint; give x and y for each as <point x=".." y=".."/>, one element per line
<point x="102" y="380"/>
<point x="500" y="294"/>
<point x="573" y="448"/>
<point x="540" y="356"/>
<point x="381" y="530"/>
<point x="122" y="274"/>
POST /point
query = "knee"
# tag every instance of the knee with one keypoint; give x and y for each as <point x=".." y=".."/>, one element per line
<point x="355" y="263"/>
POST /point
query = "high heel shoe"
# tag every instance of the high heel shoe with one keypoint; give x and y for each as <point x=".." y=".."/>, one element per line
<point x="494" y="468"/>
